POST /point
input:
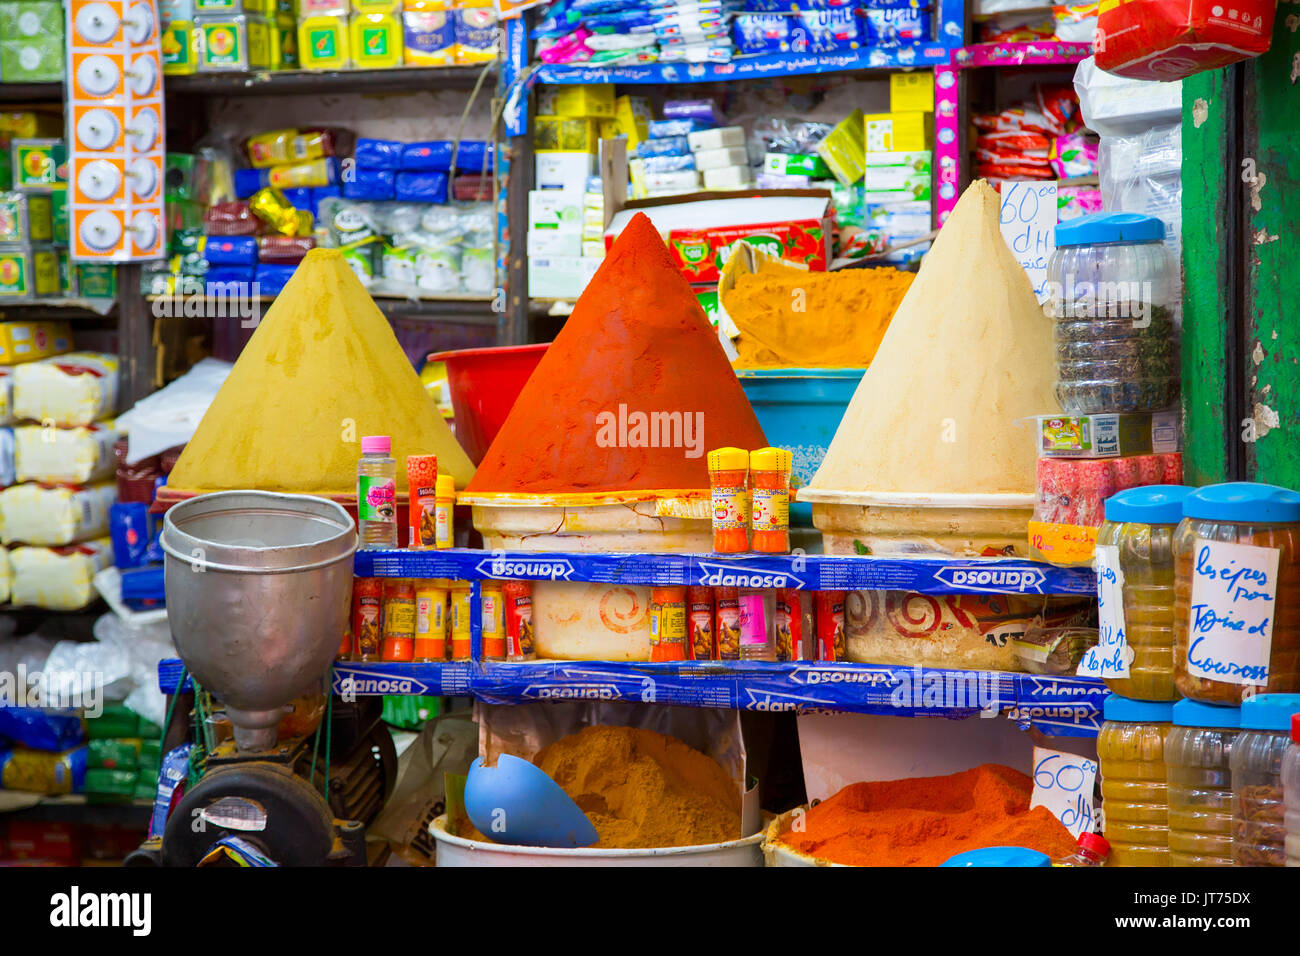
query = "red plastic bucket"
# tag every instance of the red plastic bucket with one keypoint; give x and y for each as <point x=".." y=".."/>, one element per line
<point x="484" y="385"/>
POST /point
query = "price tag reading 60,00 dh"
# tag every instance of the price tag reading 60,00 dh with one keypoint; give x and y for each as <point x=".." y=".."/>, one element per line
<point x="1063" y="782"/>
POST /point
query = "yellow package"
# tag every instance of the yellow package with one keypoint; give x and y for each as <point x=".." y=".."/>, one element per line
<point x="910" y="92"/>
<point x="286" y="27"/>
<point x="28" y="272"/>
<point x="180" y="48"/>
<point x="904" y="132"/>
<point x="632" y="113"/>
<point x="263" y="44"/>
<point x="569" y="134"/>
<point x="376" y="6"/>
<point x="592" y="99"/>
<point x="279" y="147"/>
<point x="428" y="34"/>
<point x="29" y="124"/>
<point x="323" y="43"/>
<point x="376" y="40"/>
<point x="476" y="31"/>
<point x="29" y="341"/>
<point x="39" y="771"/>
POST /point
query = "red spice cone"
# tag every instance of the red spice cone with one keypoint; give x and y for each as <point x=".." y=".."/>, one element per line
<point x="637" y="349"/>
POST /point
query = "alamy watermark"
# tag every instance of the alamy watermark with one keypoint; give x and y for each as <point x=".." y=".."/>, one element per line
<point x="213" y="300"/>
<point x="950" y="690"/>
<point x="1082" y="299"/>
<point x="639" y="429"/>
<point x="60" y="690"/>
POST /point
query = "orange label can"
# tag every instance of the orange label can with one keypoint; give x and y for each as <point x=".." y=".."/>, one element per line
<point x="494" y="624"/>
<point x="367" y="595"/>
<point x="519" y="621"/>
<point x="431" y="621"/>
<point x="399" y="622"/>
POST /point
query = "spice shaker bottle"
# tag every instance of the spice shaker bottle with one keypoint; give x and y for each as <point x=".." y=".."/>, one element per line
<point x="1138" y="537"/>
<point x="492" y="605"/>
<point x="770" y="499"/>
<point x="1197" y="754"/>
<point x="728" y="468"/>
<point x="421" y="483"/>
<point x="1258" y="821"/>
<point x="668" y="624"/>
<point x="1219" y="664"/>
<point x="1134" y="788"/>
<point x="1111" y="292"/>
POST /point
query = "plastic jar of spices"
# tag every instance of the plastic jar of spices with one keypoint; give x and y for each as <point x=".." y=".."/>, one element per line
<point x="1291" y="794"/>
<point x="1263" y="516"/>
<point x="1138" y="534"/>
<point x="1258" y="822"/>
<point x="1197" y="754"/>
<point x="1111" y="287"/>
<point x="1131" y="750"/>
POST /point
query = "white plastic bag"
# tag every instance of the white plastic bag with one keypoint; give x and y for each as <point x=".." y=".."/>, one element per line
<point x="169" y="416"/>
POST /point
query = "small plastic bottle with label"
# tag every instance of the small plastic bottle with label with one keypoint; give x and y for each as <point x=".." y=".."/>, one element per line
<point x="376" y="494"/>
<point x="756" y="639"/>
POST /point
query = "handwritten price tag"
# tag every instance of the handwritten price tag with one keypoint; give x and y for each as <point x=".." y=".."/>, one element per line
<point x="1065" y="544"/>
<point x="1028" y="221"/>
<point x="1234" y="592"/>
<point x="1064" y="784"/>
<point x="1112" y="655"/>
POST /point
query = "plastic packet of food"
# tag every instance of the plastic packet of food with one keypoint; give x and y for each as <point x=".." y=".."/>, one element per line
<point x="437" y="268"/>
<point x="1053" y="650"/>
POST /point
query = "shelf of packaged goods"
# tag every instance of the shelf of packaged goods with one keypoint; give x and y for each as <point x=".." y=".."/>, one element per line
<point x="1063" y="706"/>
<point x="316" y="82"/>
<point x="751" y="67"/>
<point x="1047" y="53"/>
<point x="453" y="310"/>
<point x="814" y="572"/>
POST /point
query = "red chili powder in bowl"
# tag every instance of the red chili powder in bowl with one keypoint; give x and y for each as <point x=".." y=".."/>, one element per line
<point x="922" y="821"/>
<point x="631" y="394"/>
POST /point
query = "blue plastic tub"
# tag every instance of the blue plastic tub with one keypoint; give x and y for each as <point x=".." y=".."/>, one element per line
<point x="800" y="409"/>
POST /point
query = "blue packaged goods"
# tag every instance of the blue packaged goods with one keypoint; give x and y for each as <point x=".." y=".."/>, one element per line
<point x="173" y="773"/>
<point x="706" y="110"/>
<point x="378" y="154"/>
<point x="219" y="278"/>
<point x="472" y="155"/>
<point x="299" y="197"/>
<point x="272" y="278"/>
<point x="130" y="529"/>
<point x="230" y="250"/>
<point x="143" y="588"/>
<point x="664" y="146"/>
<point x="676" y="127"/>
<point x="476" y="33"/>
<point x="811" y="31"/>
<point x="249" y="181"/>
<point x="894" y="23"/>
<point x="421" y="187"/>
<point x="668" y="164"/>
<point x="795" y="6"/>
<point x="433" y="156"/>
<point x="39" y="729"/>
<point x="370" y="184"/>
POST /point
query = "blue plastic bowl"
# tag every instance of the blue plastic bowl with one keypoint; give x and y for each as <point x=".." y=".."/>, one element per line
<point x="800" y="409"/>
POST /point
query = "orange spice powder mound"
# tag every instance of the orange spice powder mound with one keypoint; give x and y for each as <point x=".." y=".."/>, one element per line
<point x="637" y="344"/>
<point x="922" y="821"/>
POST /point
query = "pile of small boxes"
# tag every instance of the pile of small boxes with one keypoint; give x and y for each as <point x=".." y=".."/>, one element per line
<point x="34" y="260"/>
<point x="214" y="36"/>
<point x="689" y="148"/>
<point x="31" y="41"/>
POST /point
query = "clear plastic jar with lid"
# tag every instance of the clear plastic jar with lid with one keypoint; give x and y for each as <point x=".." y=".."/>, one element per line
<point x="1258" y="822"/>
<point x="1197" y="754"/>
<point x="1111" y="291"/>
<point x="1139" y="527"/>
<point x="1291" y="794"/>
<point x="1241" y="512"/>
<point x="1134" y="786"/>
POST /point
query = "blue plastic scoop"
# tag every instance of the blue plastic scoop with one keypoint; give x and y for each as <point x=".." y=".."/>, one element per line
<point x="517" y="803"/>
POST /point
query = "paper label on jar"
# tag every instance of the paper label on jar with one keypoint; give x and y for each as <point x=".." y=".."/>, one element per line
<point x="1112" y="656"/>
<point x="1063" y="782"/>
<point x="1234" y="600"/>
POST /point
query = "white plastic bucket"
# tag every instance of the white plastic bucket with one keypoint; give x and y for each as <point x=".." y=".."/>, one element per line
<point x="577" y="621"/>
<point x="918" y="524"/>
<point x="778" y="854"/>
<point x="459" y="851"/>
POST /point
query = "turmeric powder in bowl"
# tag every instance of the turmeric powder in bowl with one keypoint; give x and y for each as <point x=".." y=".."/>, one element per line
<point x="642" y="789"/>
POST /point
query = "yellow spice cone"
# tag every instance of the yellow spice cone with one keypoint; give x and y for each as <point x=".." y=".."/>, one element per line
<point x="967" y="357"/>
<point x="322" y="370"/>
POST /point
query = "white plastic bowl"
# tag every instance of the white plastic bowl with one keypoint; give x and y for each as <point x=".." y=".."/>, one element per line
<point x="458" y="851"/>
<point x="778" y="854"/>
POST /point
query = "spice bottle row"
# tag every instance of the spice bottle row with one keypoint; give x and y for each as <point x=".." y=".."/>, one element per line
<point x="1191" y="784"/>
<point x="751" y="500"/>
<point x="428" y="620"/>
<point x="432" y="498"/>
<point x="751" y="624"/>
